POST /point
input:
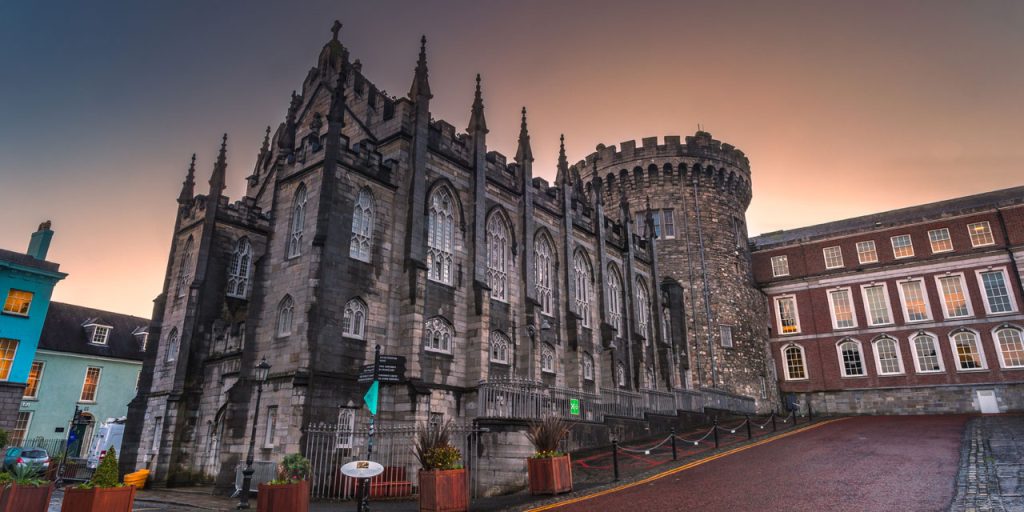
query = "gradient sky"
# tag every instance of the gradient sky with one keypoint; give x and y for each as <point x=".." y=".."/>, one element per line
<point x="844" y="108"/>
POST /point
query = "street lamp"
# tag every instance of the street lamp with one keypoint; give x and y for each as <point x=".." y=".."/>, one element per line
<point x="259" y="374"/>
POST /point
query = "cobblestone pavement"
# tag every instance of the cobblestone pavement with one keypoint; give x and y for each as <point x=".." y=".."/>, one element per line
<point x="991" y="475"/>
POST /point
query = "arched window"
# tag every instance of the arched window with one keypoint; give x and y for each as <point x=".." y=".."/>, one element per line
<point x="588" y="366"/>
<point x="362" y="226"/>
<point x="185" y="268"/>
<point x="440" y="236"/>
<point x="499" y="348"/>
<point x="615" y="298"/>
<point x="354" y="321"/>
<point x="927" y="357"/>
<point x="851" y="358"/>
<point x="887" y="356"/>
<point x="543" y="263"/>
<point x="969" y="355"/>
<point x="583" y="277"/>
<point x="285" y="312"/>
<point x="1011" y="347"/>
<point x="172" y="345"/>
<point x="547" y="359"/>
<point x="438" y="335"/>
<point x="643" y="309"/>
<point x="498" y="256"/>
<point x="240" y="269"/>
<point x="298" y="221"/>
<point x="620" y="374"/>
<point x="796" y="364"/>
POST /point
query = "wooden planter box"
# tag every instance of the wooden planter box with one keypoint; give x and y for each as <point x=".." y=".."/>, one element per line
<point x="551" y="475"/>
<point x="444" y="491"/>
<point x="25" y="498"/>
<point x="112" y="499"/>
<point x="284" y="497"/>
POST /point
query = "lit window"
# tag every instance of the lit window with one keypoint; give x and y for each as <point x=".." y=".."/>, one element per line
<point x="915" y="301"/>
<point x="91" y="384"/>
<point x="185" y="268"/>
<point x="851" y="359"/>
<point x="887" y="355"/>
<point x="438" y="336"/>
<point x="18" y="302"/>
<point x="902" y="246"/>
<point x="725" y="331"/>
<point x="843" y="316"/>
<point x="940" y="240"/>
<point x="500" y="348"/>
<point x="8" y="348"/>
<point x="498" y="255"/>
<point x="833" y="257"/>
<point x="172" y="345"/>
<point x="100" y="333"/>
<point x="547" y="359"/>
<point x="35" y="375"/>
<point x="268" y="437"/>
<point x="240" y="269"/>
<point x="796" y="369"/>
<point x="614" y="298"/>
<point x="620" y="374"/>
<point x="981" y="234"/>
<point x="298" y="222"/>
<point x="588" y="366"/>
<point x="354" y="321"/>
<point x="1011" y="348"/>
<point x="583" y="276"/>
<point x="542" y="263"/>
<point x="21" y="428"/>
<point x="876" y="303"/>
<point x="968" y="353"/>
<point x="997" y="296"/>
<point x="954" y="297"/>
<point x="788" y="318"/>
<point x="780" y="266"/>
<point x="440" y="236"/>
<point x="362" y="226"/>
<point x="643" y="309"/>
<point x="866" y="252"/>
<point x="285" y="313"/>
<point x="926" y="354"/>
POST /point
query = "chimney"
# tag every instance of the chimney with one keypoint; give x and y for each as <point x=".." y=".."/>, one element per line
<point x="39" y="245"/>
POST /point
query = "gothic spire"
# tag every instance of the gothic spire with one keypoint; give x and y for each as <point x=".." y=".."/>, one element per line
<point x="524" y="152"/>
<point x="189" y="185"/>
<point x="286" y="142"/>
<point x="420" y="84"/>
<point x="563" y="163"/>
<point x="219" y="169"/>
<point x="477" y="123"/>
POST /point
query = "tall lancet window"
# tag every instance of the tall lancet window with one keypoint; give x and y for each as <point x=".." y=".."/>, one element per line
<point x="240" y="269"/>
<point x="543" y="264"/>
<point x="440" y="236"/>
<point x="298" y="221"/>
<point x="362" y="226"/>
<point x="643" y="309"/>
<point x="615" y="298"/>
<point x="498" y="256"/>
<point x="583" y="278"/>
<point x="285" y="314"/>
<point x="354" y="321"/>
<point x="185" y="268"/>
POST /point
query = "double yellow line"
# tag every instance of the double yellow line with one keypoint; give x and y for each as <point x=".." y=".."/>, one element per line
<point x="684" y="467"/>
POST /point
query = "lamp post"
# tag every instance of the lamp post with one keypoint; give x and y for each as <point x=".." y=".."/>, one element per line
<point x="260" y="374"/>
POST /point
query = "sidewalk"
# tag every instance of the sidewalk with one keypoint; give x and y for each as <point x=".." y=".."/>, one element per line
<point x="991" y="475"/>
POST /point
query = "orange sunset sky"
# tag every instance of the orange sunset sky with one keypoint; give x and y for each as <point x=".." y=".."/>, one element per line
<point x="844" y="108"/>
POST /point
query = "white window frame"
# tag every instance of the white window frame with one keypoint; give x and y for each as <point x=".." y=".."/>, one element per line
<point x="725" y="336"/>
<point x="978" y="345"/>
<point x="910" y="244"/>
<point x="27" y="304"/>
<point x="861" y="252"/>
<point x="942" y="295"/>
<point x="999" y="345"/>
<point x="10" y="363"/>
<point x="917" y="356"/>
<point x="271" y="427"/>
<point x="832" y="307"/>
<point x="924" y="294"/>
<point x="1006" y="284"/>
<point x="240" y="269"/>
<point x="803" y="362"/>
<point x="547" y="358"/>
<point x="96" y="391"/>
<point x="442" y="327"/>
<point x="932" y="240"/>
<point x="987" y="234"/>
<point x="780" y="265"/>
<point x="668" y="219"/>
<point x="348" y="325"/>
<point x="346" y="427"/>
<point x="39" y="380"/>
<point x="363" y="212"/>
<point x="835" y="254"/>
<point x="842" y="364"/>
<point x="101" y="331"/>
<point x="867" y="304"/>
<point x="16" y="439"/>
<point x="544" y="268"/>
<point x="588" y="366"/>
<point x="878" y="356"/>
<point x="498" y="339"/>
<point x="778" y="314"/>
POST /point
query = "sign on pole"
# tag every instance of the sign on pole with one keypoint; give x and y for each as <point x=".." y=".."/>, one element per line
<point x="371" y="397"/>
<point x="574" y="406"/>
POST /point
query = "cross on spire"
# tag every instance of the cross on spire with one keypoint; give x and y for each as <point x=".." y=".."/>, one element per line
<point x="335" y="28"/>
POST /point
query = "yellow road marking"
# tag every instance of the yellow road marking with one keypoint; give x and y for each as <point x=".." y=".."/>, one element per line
<point x="684" y="467"/>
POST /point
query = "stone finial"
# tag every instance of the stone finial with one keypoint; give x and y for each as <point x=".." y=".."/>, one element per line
<point x="525" y="152"/>
<point x="563" y="163"/>
<point x="188" y="186"/>
<point x="220" y="168"/>
<point x="335" y="28"/>
<point x="420" y="85"/>
<point x="286" y="142"/>
<point x="477" y="122"/>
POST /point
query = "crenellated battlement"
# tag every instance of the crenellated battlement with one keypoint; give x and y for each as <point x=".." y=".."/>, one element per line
<point x="698" y="146"/>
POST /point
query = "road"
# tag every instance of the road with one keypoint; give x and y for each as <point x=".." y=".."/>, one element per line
<point x="905" y="463"/>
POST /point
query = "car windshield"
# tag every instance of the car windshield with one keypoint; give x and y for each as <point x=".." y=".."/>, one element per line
<point x="34" y="454"/>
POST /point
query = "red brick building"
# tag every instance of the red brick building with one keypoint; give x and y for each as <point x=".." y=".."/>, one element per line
<point x="909" y="311"/>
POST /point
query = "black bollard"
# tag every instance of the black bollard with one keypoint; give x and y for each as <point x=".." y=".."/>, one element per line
<point x="615" y="458"/>
<point x="673" y="444"/>
<point x="774" y="428"/>
<point x="750" y="434"/>
<point x="810" y="412"/>
<point x="715" y="429"/>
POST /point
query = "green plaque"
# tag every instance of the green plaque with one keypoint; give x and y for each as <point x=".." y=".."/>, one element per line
<point x="574" y="406"/>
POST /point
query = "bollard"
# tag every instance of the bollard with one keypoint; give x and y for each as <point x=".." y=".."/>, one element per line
<point x="774" y="428"/>
<point x="716" y="433"/>
<point x="750" y="435"/>
<point x="615" y="458"/>
<point x="674" y="444"/>
<point x="810" y="412"/>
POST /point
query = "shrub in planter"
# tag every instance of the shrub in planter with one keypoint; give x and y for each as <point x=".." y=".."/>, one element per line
<point x="549" y="470"/>
<point x="24" y="491"/>
<point x="103" y="493"/>
<point x="442" y="477"/>
<point x="289" y="492"/>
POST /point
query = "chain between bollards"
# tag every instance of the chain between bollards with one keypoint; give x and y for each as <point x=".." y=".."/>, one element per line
<point x="674" y="444"/>
<point x="716" y="433"/>
<point x="615" y="458"/>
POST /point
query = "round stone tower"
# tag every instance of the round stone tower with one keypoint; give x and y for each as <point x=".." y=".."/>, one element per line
<point x="698" y="193"/>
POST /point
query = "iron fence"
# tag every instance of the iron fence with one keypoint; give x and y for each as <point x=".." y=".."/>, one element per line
<point x="618" y="402"/>
<point x="717" y="399"/>
<point x="659" y="402"/>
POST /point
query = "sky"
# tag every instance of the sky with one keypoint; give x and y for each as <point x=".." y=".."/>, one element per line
<point x="844" y="108"/>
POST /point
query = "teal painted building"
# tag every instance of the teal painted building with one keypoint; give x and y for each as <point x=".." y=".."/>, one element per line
<point x="26" y="284"/>
<point x="87" y="358"/>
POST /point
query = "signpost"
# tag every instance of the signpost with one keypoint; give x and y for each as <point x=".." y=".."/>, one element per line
<point x="384" y="370"/>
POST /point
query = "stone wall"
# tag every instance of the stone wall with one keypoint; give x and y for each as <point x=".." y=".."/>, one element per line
<point x="917" y="400"/>
<point x="10" y="402"/>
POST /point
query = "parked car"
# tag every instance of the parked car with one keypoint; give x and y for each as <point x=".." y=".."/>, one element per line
<point x="26" y="457"/>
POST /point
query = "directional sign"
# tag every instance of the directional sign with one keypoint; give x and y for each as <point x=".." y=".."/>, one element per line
<point x="574" y="406"/>
<point x="391" y="370"/>
<point x="362" y="469"/>
<point x="371" y="398"/>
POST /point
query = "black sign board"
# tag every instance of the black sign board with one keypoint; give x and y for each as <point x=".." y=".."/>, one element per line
<point x="390" y="370"/>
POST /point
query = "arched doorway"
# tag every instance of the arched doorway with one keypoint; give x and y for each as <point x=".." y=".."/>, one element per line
<point x="81" y="435"/>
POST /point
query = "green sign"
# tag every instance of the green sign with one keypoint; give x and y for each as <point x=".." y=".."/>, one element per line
<point x="574" y="406"/>
<point x="371" y="397"/>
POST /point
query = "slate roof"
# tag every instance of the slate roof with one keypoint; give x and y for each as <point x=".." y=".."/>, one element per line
<point x="892" y="218"/>
<point x="20" y="258"/>
<point x="63" y="331"/>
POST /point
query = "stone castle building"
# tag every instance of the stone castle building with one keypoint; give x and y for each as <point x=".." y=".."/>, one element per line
<point x="627" y="282"/>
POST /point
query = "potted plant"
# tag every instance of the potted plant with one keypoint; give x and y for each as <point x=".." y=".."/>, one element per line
<point x="442" y="477"/>
<point x="549" y="470"/>
<point x="289" y="492"/>
<point x="103" y="493"/>
<point x="23" y="490"/>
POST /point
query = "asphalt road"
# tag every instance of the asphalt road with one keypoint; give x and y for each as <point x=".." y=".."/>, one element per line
<point x="896" y="463"/>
